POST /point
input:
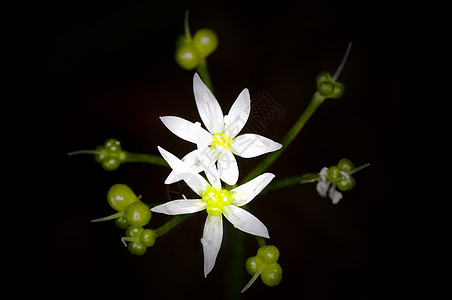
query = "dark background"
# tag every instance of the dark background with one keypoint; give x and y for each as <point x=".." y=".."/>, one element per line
<point x="78" y="73"/>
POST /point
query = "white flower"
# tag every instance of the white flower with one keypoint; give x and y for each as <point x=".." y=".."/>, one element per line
<point x="220" y="142"/>
<point x="217" y="202"/>
<point x="323" y="187"/>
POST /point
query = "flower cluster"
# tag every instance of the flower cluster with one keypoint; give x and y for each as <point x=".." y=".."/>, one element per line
<point x="214" y="155"/>
<point x="132" y="215"/>
<point x="211" y="170"/>
<point x="339" y="176"/>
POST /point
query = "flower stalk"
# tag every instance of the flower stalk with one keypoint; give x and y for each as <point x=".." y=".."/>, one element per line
<point x="316" y="101"/>
<point x="144" y="158"/>
<point x="169" y="225"/>
<point x="204" y="73"/>
<point x="300" y="179"/>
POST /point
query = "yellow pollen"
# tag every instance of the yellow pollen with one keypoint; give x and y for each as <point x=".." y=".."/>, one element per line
<point x="221" y="139"/>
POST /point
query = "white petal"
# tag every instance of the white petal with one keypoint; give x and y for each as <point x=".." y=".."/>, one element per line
<point x="245" y="221"/>
<point x="207" y="158"/>
<point x="244" y="193"/>
<point x="213" y="176"/>
<point x="228" y="168"/>
<point x="191" y="160"/>
<point x="322" y="188"/>
<point x="208" y="107"/>
<point x="252" y="145"/>
<point x="238" y="114"/>
<point x="323" y="173"/>
<point x="179" y="207"/>
<point x="334" y="195"/>
<point x="184" y="129"/>
<point x="204" y="139"/>
<point x="211" y="241"/>
<point x="195" y="181"/>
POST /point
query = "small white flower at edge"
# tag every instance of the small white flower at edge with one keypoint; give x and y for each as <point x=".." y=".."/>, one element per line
<point x="323" y="187"/>
<point x="220" y="142"/>
<point x="217" y="202"/>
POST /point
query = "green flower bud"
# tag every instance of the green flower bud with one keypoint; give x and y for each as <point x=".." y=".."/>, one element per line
<point x="346" y="183"/>
<point x="253" y="264"/>
<point x="334" y="174"/>
<point x="272" y="274"/>
<point x="268" y="254"/>
<point x="187" y="56"/>
<point x="120" y="196"/>
<point x="137" y="214"/>
<point x="121" y="222"/>
<point x="325" y="88"/>
<point x="137" y="248"/>
<point x="345" y="165"/>
<point x="112" y="146"/>
<point x="339" y="89"/>
<point x="206" y="41"/>
<point x="147" y="237"/>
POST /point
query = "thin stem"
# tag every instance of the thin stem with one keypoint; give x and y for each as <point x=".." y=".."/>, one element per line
<point x="316" y="100"/>
<point x="204" y="73"/>
<point x="260" y="241"/>
<point x="144" y="158"/>
<point x="169" y="225"/>
<point x="305" y="178"/>
<point x="235" y="271"/>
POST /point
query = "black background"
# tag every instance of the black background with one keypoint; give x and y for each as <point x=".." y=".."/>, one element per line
<point x="78" y="73"/>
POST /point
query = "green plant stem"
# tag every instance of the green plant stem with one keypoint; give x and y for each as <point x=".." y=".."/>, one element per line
<point x="169" y="225"/>
<point x="305" y="178"/>
<point x="204" y="73"/>
<point x="145" y="158"/>
<point x="260" y="241"/>
<point x="316" y="100"/>
<point x="235" y="267"/>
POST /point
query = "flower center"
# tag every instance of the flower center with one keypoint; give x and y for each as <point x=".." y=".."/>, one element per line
<point x="215" y="200"/>
<point x="221" y="139"/>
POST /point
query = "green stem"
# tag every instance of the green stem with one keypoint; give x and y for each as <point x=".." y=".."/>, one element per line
<point x="169" y="225"/>
<point x="235" y="267"/>
<point x="305" y="178"/>
<point x="316" y="100"/>
<point x="204" y="73"/>
<point x="145" y="158"/>
<point x="260" y="241"/>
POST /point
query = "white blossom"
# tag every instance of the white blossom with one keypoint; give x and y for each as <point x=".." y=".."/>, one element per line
<point x="217" y="145"/>
<point x="218" y="203"/>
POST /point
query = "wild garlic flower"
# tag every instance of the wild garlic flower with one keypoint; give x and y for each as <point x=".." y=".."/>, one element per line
<point x="339" y="176"/>
<point x="220" y="142"/>
<point x="323" y="187"/>
<point x="217" y="202"/>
